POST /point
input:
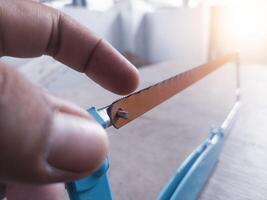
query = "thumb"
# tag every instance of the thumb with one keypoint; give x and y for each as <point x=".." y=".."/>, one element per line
<point x="44" y="139"/>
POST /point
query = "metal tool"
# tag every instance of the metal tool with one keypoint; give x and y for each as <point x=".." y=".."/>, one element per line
<point x="198" y="165"/>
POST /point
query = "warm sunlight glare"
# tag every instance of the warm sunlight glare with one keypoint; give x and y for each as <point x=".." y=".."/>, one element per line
<point x="250" y="21"/>
<point x="242" y="25"/>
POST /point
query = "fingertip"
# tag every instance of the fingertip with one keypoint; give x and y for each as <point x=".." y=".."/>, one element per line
<point x="77" y="145"/>
<point x="129" y="82"/>
<point x="111" y="70"/>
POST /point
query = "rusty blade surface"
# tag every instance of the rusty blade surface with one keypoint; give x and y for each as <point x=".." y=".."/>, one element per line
<point x="144" y="100"/>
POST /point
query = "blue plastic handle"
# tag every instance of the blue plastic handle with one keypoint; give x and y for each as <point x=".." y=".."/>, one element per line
<point x="193" y="174"/>
<point x="96" y="186"/>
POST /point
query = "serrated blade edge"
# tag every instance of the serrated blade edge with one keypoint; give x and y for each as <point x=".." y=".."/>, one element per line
<point x="144" y="100"/>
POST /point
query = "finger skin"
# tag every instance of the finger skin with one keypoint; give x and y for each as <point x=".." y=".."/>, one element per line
<point x="29" y="29"/>
<point x="36" y="192"/>
<point x="28" y="119"/>
<point x="40" y="142"/>
<point x="24" y="112"/>
<point x="67" y="107"/>
<point x="2" y="190"/>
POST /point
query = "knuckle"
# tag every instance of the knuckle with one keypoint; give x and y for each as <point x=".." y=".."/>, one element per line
<point x="54" y="41"/>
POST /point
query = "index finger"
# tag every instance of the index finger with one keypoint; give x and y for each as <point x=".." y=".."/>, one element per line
<point x="29" y="29"/>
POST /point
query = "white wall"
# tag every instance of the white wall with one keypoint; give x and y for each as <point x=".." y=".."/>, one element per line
<point x="155" y="35"/>
<point x="180" y="34"/>
<point x="131" y="15"/>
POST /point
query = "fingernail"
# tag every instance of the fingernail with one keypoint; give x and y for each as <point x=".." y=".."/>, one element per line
<point x="76" y="144"/>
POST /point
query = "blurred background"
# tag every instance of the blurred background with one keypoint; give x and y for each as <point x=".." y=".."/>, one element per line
<point x="188" y="31"/>
<point x="184" y="31"/>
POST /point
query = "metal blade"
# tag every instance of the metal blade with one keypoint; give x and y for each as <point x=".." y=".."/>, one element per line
<point x="124" y="110"/>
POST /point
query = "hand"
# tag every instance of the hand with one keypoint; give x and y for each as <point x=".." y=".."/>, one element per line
<point x="44" y="139"/>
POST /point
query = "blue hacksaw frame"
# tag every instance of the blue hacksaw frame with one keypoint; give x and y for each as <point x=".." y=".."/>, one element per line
<point x="189" y="179"/>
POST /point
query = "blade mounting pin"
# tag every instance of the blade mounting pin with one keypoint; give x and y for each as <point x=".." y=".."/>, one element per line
<point x="122" y="114"/>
